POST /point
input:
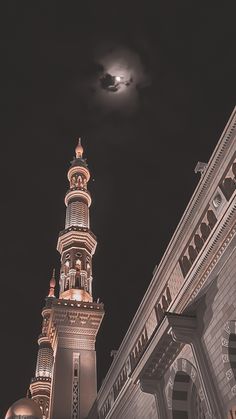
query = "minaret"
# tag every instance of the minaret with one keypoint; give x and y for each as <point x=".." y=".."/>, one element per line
<point x="40" y="386"/>
<point x="77" y="243"/>
<point x="65" y="382"/>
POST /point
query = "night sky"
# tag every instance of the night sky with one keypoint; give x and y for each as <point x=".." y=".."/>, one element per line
<point x="141" y="143"/>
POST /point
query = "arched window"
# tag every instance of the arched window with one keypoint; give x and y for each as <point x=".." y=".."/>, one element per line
<point x="185" y="265"/>
<point x="186" y="399"/>
<point x="186" y="403"/>
<point x="228" y="187"/>
<point x="78" y="265"/>
<point x="234" y="169"/>
<point x="80" y="182"/>
<point x="168" y="295"/>
<point x="180" y="396"/>
<point x="205" y="230"/>
<point x="192" y="253"/>
<point x="88" y="269"/>
<point x="232" y="352"/>
<point x="211" y="218"/>
<point x="67" y="266"/>
<point x="164" y="303"/>
<point x="198" y="242"/>
<point x="73" y="181"/>
<point x="160" y="313"/>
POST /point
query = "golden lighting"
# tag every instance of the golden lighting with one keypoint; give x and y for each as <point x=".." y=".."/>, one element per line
<point x="75" y="294"/>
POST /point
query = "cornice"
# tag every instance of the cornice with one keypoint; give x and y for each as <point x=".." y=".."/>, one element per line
<point x="68" y="237"/>
<point x="217" y="245"/>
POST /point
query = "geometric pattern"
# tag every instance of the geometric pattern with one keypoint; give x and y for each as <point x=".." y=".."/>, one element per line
<point x="75" y="387"/>
<point x="228" y="342"/>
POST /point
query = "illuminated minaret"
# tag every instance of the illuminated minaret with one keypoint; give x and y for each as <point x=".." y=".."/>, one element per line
<point x="65" y="382"/>
<point x="41" y="384"/>
<point x="77" y="243"/>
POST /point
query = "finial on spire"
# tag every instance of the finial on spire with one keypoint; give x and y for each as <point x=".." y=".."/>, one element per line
<point x="79" y="150"/>
<point x="52" y="284"/>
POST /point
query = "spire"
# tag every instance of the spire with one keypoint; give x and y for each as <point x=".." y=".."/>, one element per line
<point x="52" y="284"/>
<point x="79" y="150"/>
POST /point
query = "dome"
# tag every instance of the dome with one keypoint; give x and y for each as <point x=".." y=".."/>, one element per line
<point x="24" y="408"/>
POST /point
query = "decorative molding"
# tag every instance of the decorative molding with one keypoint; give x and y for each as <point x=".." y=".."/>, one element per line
<point x="75" y="387"/>
<point x="230" y="373"/>
<point x="208" y="259"/>
<point x="64" y="330"/>
<point x="82" y="343"/>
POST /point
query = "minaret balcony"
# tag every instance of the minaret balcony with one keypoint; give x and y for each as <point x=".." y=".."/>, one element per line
<point x="78" y="168"/>
<point x="76" y="193"/>
<point x="43" y="338"/>
<point x="40" y="385"/>
<point x="77" y="236"/>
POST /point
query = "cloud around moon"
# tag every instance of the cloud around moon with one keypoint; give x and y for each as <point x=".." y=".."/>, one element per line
<point x="122" y="65"/>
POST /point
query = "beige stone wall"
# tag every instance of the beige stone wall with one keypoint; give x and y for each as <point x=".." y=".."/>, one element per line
<point x="138" y="405"/>
<point x="162" y="336"/>
<point x="219" y="307"/>
<point x="63" y="384"/>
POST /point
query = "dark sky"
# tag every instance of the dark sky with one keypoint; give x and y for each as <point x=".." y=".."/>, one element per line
<point x="141" y="147"/>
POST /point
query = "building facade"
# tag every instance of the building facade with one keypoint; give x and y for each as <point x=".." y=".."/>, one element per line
<point x="178" y="357"/>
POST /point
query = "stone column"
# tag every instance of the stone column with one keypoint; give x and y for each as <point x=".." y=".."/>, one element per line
<point x="155" y="387"/>
<point x="189" y="336"/>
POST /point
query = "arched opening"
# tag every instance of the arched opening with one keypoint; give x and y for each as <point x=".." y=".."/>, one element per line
<point x="78" y="265"/>
<point x="228" y="187"/>
<point x="198" y="242"/>
<point x="205" y="230"/>
<point x="186" y="403"/>
<point x="164" y="303"/>
<point x="192" y="253"/>
<point x="211" y="218"/>
<point x="185" y="265"/>
<point x="232" y="353"/>
<point x="168" y="295"/>
<point x="143" y="341"/>
<point x="66" y="267"/>
<point x="80" y="182"/>
<point x="160" y="313"/>
<point x="234" y="169"/>
<point x="88" y="269"/>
